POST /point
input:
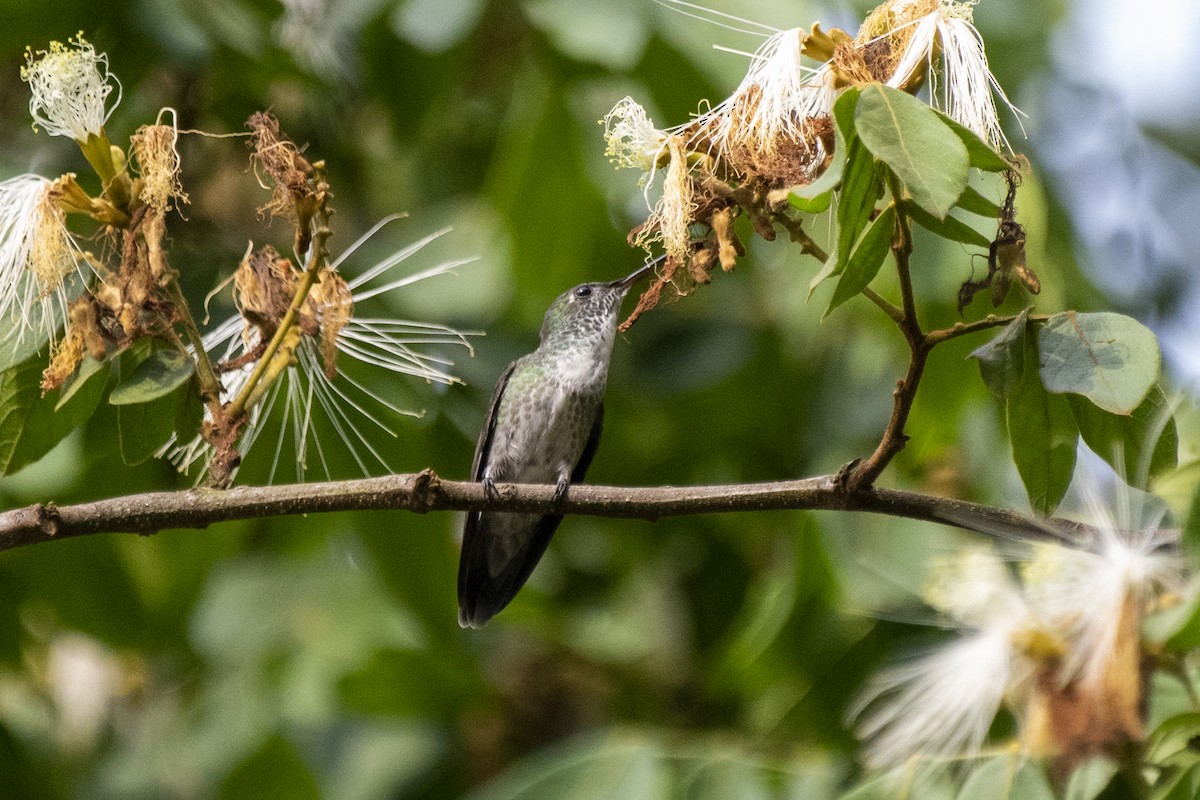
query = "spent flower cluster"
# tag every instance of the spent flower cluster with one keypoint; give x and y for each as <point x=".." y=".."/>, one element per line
<point x="776" y="132"/>
<point x="125" y="311"/>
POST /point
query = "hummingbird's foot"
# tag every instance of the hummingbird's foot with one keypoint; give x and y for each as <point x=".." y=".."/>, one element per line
<point x="489" y="488"/>
<point x="842" y="479"/>
<point x="560" y="489"/>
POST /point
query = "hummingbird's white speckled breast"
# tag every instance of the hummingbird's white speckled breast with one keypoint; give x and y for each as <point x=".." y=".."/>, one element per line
<point x="544" y="425"/>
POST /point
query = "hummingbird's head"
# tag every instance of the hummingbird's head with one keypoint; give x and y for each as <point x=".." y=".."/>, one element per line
<point x="589" y="310"/>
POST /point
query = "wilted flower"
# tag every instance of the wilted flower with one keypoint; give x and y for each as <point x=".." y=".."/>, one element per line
<point x="70" y="85"/>
<point x="154" y="148"/>
<point x="310" y="386"/>
<point x="37" y="254"/>
<point x="676" y="208"/>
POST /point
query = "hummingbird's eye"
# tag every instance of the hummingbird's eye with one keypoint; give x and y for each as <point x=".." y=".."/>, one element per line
<point x="583" y="291"/>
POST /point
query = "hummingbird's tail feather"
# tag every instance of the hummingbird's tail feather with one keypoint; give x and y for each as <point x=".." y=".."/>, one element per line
<point x="496" y="563"/>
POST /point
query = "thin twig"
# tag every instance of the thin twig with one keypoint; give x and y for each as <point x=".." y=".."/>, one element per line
<point x="889" y="308"/>
<point x="421" y="492"/>
<point x="963" y="328"/>
<point x="863" y="475"/>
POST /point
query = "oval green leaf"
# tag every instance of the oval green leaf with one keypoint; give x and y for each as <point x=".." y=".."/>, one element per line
<point x="867" y="258"/>
<point x="30" y="424"/>
<point x="976" y="203"/>
<point x="954" y="230"/>
<point x="980" y="153"/>
<point x="909" y="137"/>
<point x="1110" y="359"/>
<point x="856" y="200"/>
<point x="159" y="375"/>
<point x="1043" y="435"/>
<point x="1002" y="360"/>
<point x="1139" y="446"/>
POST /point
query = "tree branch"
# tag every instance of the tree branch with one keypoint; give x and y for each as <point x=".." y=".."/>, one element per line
<point x="422" y="492"/>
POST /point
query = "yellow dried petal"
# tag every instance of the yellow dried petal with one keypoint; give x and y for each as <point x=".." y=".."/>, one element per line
<point x="158" y="165"/>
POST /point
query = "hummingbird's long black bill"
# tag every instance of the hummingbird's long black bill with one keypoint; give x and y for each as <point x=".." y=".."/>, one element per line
<point x="629" y="280"/>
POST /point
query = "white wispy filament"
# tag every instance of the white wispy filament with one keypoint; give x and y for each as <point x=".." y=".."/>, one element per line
<point x="354" y="411"/>
<point x="1062" y="632"/>
<point x="941" y="704"/>
<point x="70" y="86"/>
<point x="966" y="80"/>
<point x="37" y="253"/>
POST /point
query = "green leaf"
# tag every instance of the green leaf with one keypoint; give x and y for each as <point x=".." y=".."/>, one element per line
<point x="1006" y="777"/>
<point x="1111" y="359"/>
<point x="34" y="338"/>
<point x="1187" y="638"/>
<point x="843" y="113"/>
<point x="18" y="394"/>
<point x="980" y="153"/>
<point x="30" y="424"/>
<point x="1191" y="526"/>
<point x="866" y="259"/>
<point x="161" y="373"/>
<point x="948" y="228"/>
<point x="909" y="137"/>
<point x="721" y="777"/>
<point x="143" y="427"/>
<point x="588" y="767"/>
<point x="89" y="370"/>
<point x="1002" y="360"/>
<point x="976" y="203"/>
<point x="815" y="197"/>
<point x="828" y="270"/>
<point x="860" y="188"/>
<point x="13" y="352"/>
<point x="1178" y="784"/>
<point x="1171" y="736"/>
<point x="935" y="785"/>
<point x="1139" y="446"/>
<point x="1089" y="779"/>
<point x="1043" y="435"/>
<point x="275" y="772"/>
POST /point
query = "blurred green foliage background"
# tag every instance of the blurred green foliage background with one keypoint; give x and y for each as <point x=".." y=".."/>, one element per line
<point x="712" y="656"/>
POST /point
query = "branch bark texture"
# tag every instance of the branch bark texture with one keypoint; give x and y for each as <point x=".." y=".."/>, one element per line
<point x="422" y="492"/>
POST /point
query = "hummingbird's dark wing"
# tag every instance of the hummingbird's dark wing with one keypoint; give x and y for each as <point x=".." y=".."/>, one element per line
<point x="489" y="426"/>
<point x="482" y="595"/>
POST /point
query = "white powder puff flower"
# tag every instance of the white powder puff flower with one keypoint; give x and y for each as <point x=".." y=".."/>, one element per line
<point x="941" y="704"/>
<point x="964" y="88"/>
<point x="1063" y="648"/>
<point x="631" y="139"/>
<point x="70" y="85"/>
<point x="1091" y="592"/>
<point x="37" y="254"/>
<point x="774" y="100"/>
<point x="306" y="391"/>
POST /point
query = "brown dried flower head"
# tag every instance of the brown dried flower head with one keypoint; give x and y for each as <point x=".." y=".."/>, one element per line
<point x="154" y="149"/>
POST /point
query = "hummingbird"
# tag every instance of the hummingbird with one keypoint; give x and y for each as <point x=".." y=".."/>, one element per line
<point x="542" y="427"/>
